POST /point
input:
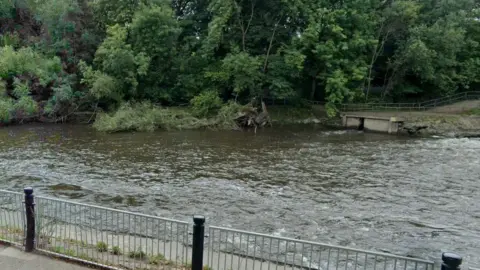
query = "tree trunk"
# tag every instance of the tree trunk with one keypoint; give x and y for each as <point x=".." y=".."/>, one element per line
<point x="314" y="88"/>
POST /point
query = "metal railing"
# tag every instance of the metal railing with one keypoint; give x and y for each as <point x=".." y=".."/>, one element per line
<point x="230" y="249"/>
<point x="12" y="218"/>
<point x="118" y="239"/>
<point x="420" y="106"/>
<point x="110" y="237"/>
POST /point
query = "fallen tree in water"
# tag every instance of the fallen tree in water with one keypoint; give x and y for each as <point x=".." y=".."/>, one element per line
<point x="250" y="117"/>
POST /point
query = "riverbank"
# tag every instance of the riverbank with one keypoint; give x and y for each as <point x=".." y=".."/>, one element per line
<point x="150" y="118"/>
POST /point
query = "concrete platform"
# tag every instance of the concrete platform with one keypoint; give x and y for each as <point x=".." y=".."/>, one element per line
<point x="12" y="258"/>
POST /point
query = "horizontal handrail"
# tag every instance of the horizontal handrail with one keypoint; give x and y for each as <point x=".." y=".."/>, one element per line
<point x="111" y="209"/>
<point x="413" y="106"/>
<point x="322" y="245"/>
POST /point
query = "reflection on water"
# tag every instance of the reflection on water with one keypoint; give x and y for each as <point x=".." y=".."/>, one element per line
<point x="414" y="197"/>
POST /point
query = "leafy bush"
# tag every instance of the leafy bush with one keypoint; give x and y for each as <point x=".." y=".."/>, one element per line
<point x="137" y="254"/>
<point x="206" y="104"/>
<point x="102" y="246"/>
<point x="156" y="260"/>
<point x="116" y="250"/>
<point x="137" y="117"/>
<point x="6" y="109"/>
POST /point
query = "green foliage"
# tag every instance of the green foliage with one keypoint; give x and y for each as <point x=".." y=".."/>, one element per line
<point x="64" y="251"/>
<point x="116" y="250"/>
<point x="156" y="259"/>
<point x="102" y="246"/>
<point x="206" y="104"/>
<point x="58" y="56"/>
<point x="137" y="254"/>
<point x="27" y="61"/>
<point x="6" y="109"/>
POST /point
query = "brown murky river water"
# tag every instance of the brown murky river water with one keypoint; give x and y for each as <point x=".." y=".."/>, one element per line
<point x="414" y="197"/>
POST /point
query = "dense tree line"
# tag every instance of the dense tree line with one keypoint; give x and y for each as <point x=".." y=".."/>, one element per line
<point x="61" y="56"/>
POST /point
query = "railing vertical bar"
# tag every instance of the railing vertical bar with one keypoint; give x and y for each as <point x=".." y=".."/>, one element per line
<point x="319" y="266"/>
<point x="144" y="239"/>
<point x="365" y="263"/>
<point x="270" y="253"/>
<point x="225" y="253"/>
<point x="185" y="244"/>
<point x="286" y="256"/>
<point x="405" y="265"/>
<point x="177" y="243"/>
<point x="101" y="233"/>
<point x="171" y="242"/>
<point x="152" y="238"/>
<point x="395" y="264"/>
<point x="219" y="248"/>
<point x="328" y="258"/>
<point x="165" y="237"/>
<point x="232" y="252"/>
<point x="65" y="240"/>
<point x="212" y="236"/>
<point x="109" y="230"/>
<point x="124" y="231"/>
<point x="262" y="253"/>
<point x="346" y="261"/>
<point x="92" y="222"/>
<point x="14" y="219"/>
<point x="158" y="237"/>
<point x="338" y="259"/>
<point x="254" y="250"/>
<point x="301" y="256"/>
<point x="208" y="246"/>
<point x="278" y="254"/>
<point x="247" y="255"/>
<point x="356" y="260"/>
<point x="375" y="263"/>
<point x="72" y="223"/>
<point x="134" y="257"/>
<point x="294" y="253"/>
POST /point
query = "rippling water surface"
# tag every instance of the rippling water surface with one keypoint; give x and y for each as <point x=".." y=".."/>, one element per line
<point x="414" y="197"/>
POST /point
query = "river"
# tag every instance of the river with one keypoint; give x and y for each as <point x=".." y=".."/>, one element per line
<point x="414" y="197"/>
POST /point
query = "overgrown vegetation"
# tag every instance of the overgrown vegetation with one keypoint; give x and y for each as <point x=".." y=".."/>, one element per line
<point x="64" y="251"/>
<point x="116" y="250"/>
<point x="137" y="254"/>
<point x="146" y="117"/>
<point x="102" y="246"/>
<point x="156" y="259"/>
<point x="58" y="57"/>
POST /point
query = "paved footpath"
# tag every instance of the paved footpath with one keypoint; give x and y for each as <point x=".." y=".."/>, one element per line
<point x="15" y="259"/>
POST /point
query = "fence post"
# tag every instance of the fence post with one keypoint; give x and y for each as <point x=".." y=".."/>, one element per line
<point x="198" y="240"/>
<point x="451" y="261"/>
<point x="30" y="214"/>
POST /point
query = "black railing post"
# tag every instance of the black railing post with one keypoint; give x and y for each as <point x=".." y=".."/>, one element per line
<point x="198" y="240"/>
<point x="451" y="261"/>
<point x="30" y="214"/>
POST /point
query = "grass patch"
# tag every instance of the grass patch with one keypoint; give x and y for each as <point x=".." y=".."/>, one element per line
<point x="206" y="267"/>
<point x="137" y="254"/>
<point x="102" y="246"/>
<point x="62" y="250"/>
<point x="156" y="260"/>
<point x="475" y="112"/>
<point x="85" y="257"/>
<point x="116" y="250"/>
<point x="13" y="230"/>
